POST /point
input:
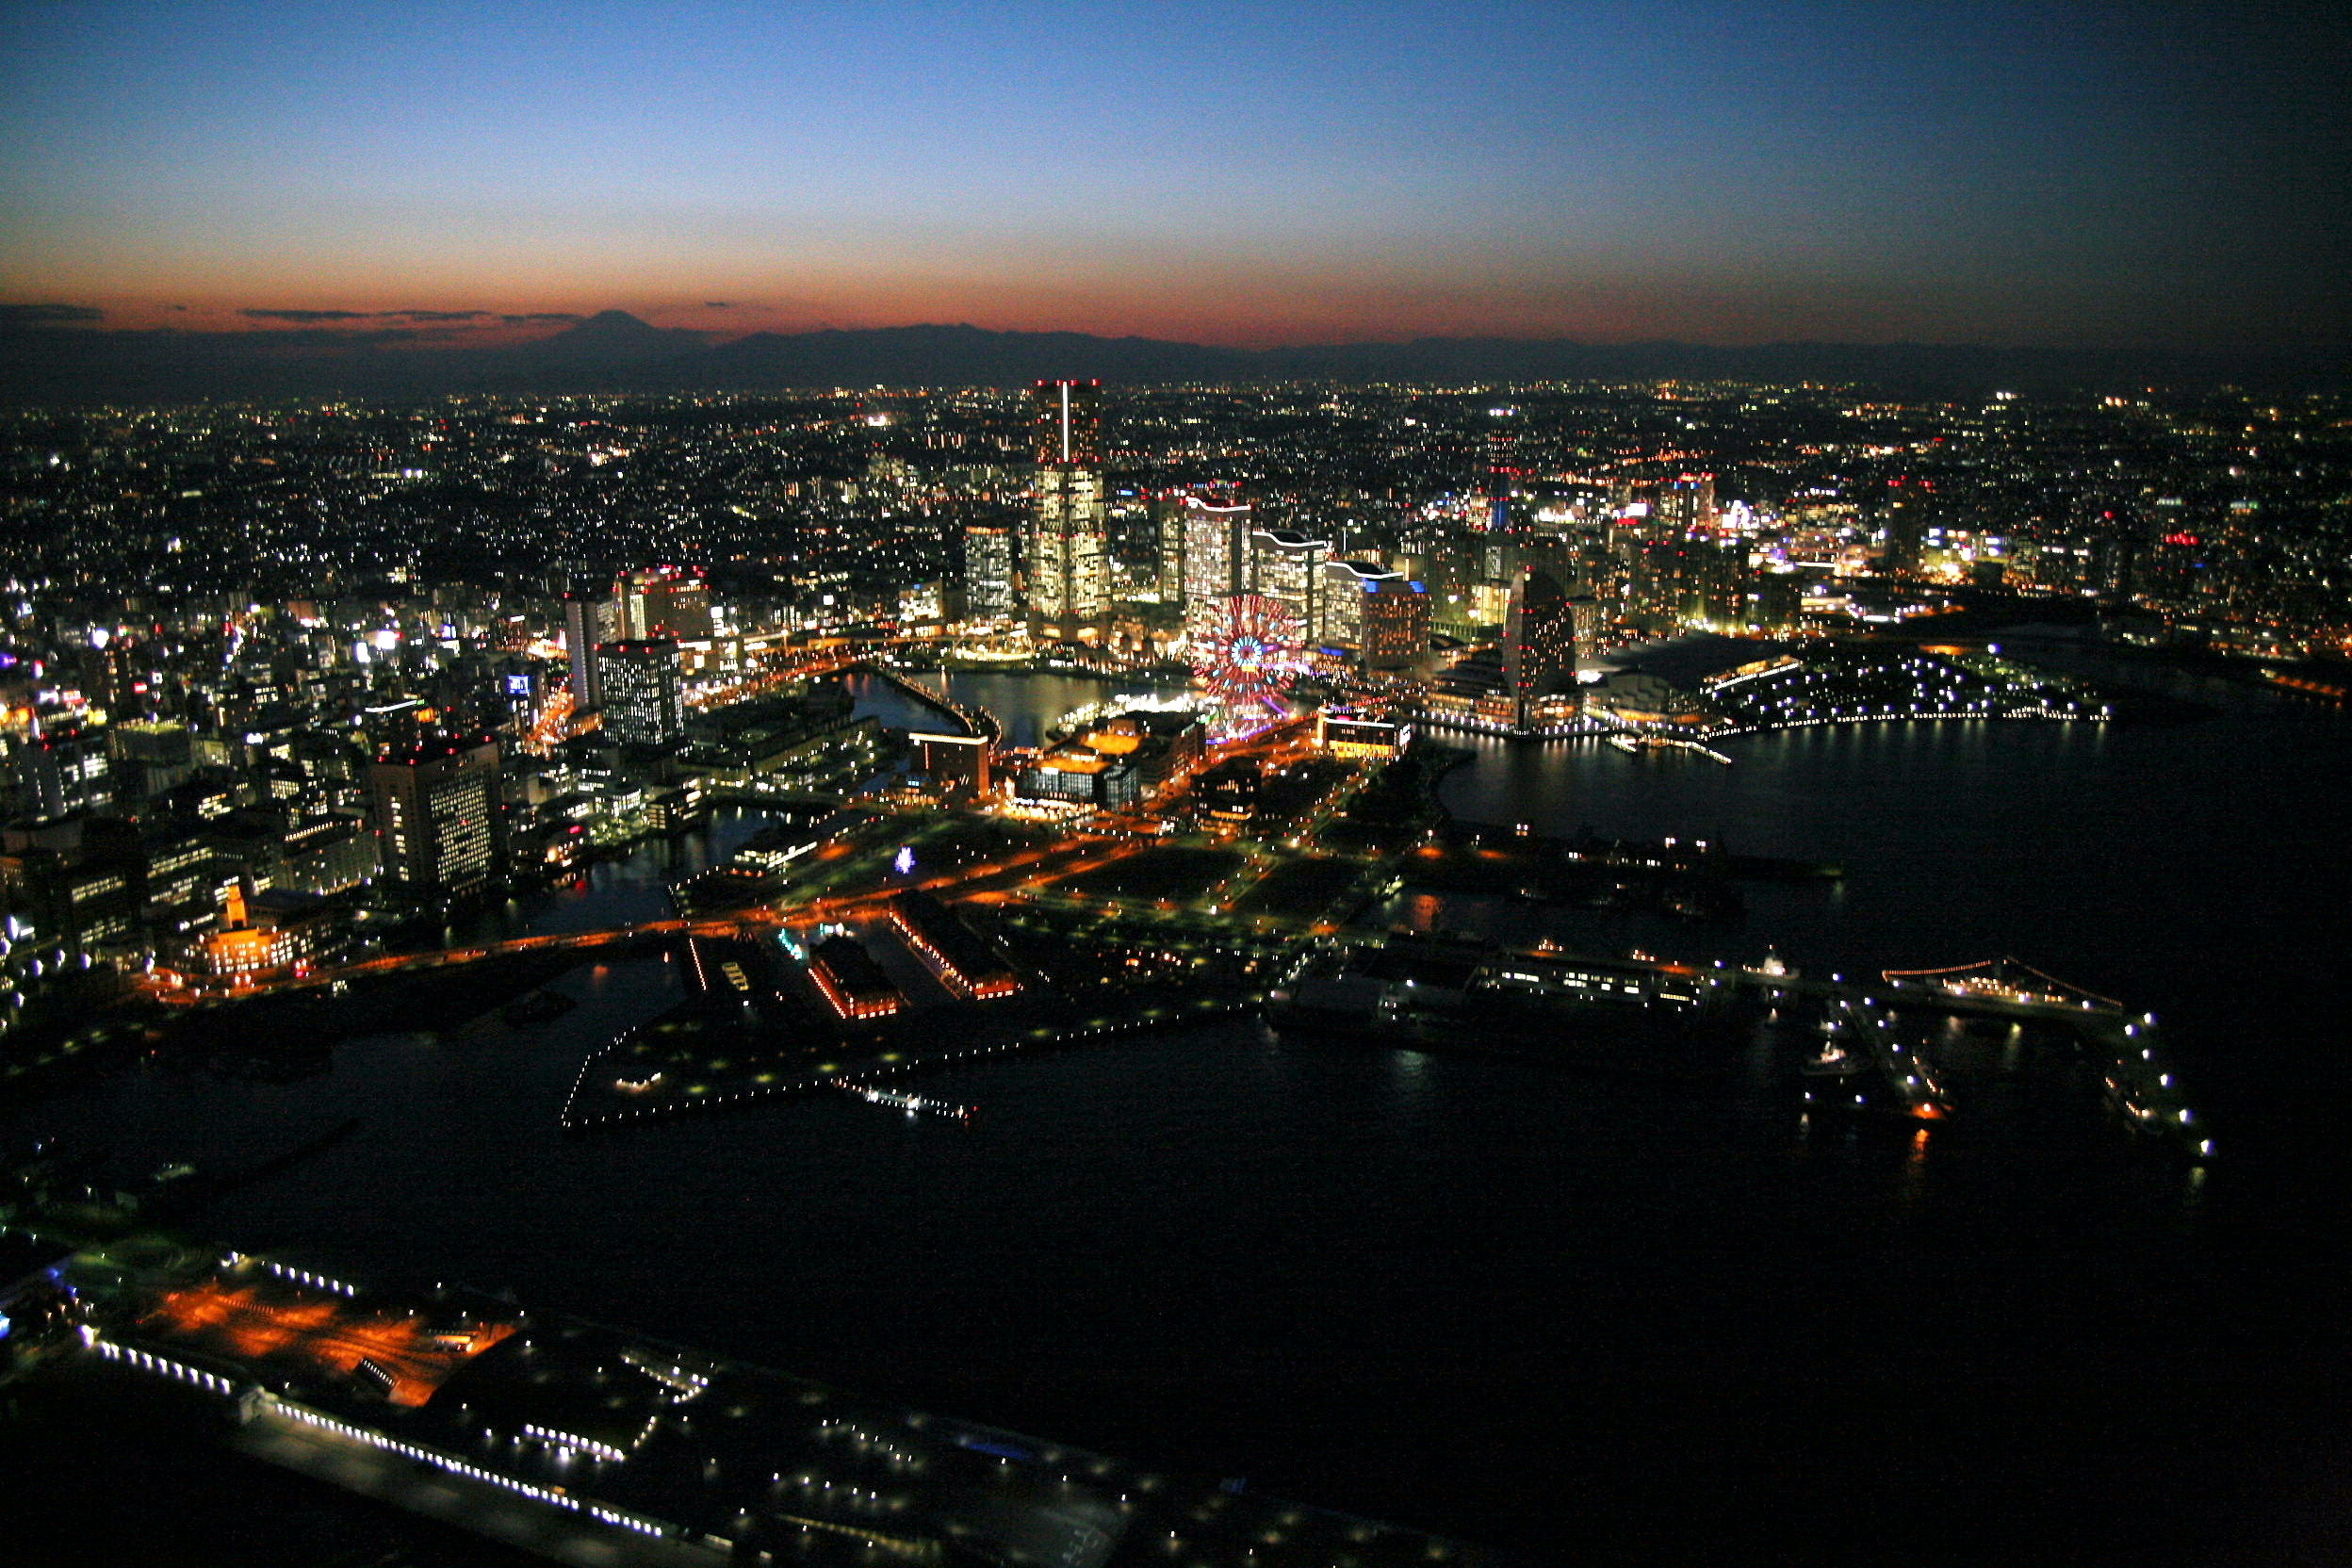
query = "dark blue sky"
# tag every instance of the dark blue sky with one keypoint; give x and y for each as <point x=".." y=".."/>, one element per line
<point x="2071" y="175"/>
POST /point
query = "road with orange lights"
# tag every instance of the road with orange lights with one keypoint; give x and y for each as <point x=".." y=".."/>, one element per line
<point x="1029" y="875"/>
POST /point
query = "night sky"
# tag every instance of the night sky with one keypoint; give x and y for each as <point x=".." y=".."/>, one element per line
<point x="2121" y="175"/>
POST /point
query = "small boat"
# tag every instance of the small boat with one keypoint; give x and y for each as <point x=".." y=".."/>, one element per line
<point x="913" y="1104"/>
<point x="1835" y="1061"/>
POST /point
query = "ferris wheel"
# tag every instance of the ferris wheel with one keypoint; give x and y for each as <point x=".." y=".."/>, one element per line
<point x="1244" y="657"/>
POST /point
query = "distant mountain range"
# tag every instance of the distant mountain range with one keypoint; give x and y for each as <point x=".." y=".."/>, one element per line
<point x="45" y="359"/>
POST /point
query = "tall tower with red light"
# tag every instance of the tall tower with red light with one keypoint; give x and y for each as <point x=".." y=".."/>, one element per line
<point x="1064" y="565"/>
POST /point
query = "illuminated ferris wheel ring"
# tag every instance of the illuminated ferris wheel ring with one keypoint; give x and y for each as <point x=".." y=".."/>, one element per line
<point x="1249" y="654"/>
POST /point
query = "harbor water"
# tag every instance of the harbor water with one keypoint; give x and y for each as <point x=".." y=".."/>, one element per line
<point x="1588" y="1319"/>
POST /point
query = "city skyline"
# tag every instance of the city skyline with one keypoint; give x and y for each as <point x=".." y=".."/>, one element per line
<point x="1227" y="785"/>
<point x="1529" y="889"/>
<point x="2062" y="176"/>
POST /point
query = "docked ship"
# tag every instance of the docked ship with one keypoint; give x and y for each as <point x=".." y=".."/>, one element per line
<point x="2144" y="1091"/>
<point x="1863" y="1070"/>
<point x="898" y="1100"/>
<point x="1833" y="1061"/>
<point x="1619" y="1015"/>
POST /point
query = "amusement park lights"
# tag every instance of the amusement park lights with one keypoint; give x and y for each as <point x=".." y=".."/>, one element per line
<point x="1245" y="659"/>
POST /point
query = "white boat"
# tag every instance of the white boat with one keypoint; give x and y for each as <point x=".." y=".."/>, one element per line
<point x="897" y="1100"/>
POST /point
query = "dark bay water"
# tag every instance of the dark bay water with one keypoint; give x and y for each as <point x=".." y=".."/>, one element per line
<point x="1594" y="1320"/>
<point x="1027" y="702"/>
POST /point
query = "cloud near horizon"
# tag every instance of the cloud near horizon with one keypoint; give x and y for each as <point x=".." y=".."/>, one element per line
<point x="309" y="318"/>
<point x="48" y="315"/>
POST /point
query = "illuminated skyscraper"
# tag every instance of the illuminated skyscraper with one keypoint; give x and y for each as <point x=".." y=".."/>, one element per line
<point x="436" y="806"/>
<point x="1216" y="560"/>
<point x="1285" y="566"/>
<point x="1539" y="644"/>
<point x="640" y="699"/>
<point x="661" y="601"/>
<point x="1339" y="605"/>
<point x="1066" y="571"/>
<point x="1502" y="469"/>
<point x="1686" y="505"/>
<point x="1380" y="618"/>
<point x="989" y="592"/>
<point x="1905" y="531"/>
<point x="581" y="636"/>
<point x="1396" y="625"/>
<point x="1167" y="534"/>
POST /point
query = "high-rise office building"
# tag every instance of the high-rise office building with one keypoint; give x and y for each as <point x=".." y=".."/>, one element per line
<point x="1538" y="642"/>
<point x="1380" y="617"/>
<point x="437" y="806"/>
<point x="1216" y="560"/>
<point x="1168" y="514"/>
<point x="989" y="591"/>
<point x="1396" y="625"/>
<point x="1686" y="505"/>
<point x="1066" y="566"/>
<point x="1339" y="604"/>
<point x="581" y="636"/>
<point x="85" y="898"/>
<point x="1714" y="584"/>
<point x="1286" y="566"/>
<point x="1905" y="536"/>
<point x="1502" y="471"/>
<point x="63" y="771"/>
<point x="149" y="757"/>
<point x="661" y="601"/>
<point x="1779" y="602"/>
<point x="1589" y="619"/>
<point x="1678" y="582"/>
<point x="642" y="704"/>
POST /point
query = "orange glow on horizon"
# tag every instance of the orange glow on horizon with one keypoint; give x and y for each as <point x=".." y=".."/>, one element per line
<point x="1205" y="298"/>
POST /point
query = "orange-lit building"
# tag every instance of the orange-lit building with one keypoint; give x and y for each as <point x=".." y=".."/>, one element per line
<point x="1359" y="737"/>
<point x="965" y="960"/>
<point x="256" y="939"/>
<point x="852" y="983"/>
<point x="1119" y="763"/>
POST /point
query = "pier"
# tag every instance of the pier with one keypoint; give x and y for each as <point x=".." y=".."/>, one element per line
<point x="2127" y="1047"/>
<point x="599" y="1446"/>
<point x="977" y="722"/>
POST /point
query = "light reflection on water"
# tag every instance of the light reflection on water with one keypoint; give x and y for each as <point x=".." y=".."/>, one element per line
<point x="1207" y="1244"/>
